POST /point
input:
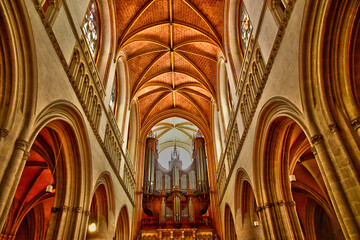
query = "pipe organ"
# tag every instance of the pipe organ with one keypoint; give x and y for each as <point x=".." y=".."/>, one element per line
<point x="176" y="197"/>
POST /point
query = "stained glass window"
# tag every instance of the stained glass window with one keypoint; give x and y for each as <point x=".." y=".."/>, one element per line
<point x="113" y="96"/>
<point x="245" y="28"/>
<point x="91" y="27"/>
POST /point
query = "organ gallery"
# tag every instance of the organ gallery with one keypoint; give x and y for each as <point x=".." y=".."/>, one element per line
<point x="176" y="199"/>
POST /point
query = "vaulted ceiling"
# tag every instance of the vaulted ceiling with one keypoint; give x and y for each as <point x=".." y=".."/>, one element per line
<point x="175" y="129"/>
<point x="171" y="47"/>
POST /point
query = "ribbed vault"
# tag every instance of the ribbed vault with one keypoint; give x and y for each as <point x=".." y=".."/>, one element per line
<point x="171" y="48"/>
<point x="175" y="131"/>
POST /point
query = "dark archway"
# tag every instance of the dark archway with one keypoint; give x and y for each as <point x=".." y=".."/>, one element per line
<point x="43" y="186"/>
<point x="230" y="233"/>
<point x="101" y="225"/>
<point x="122" y="231"/>
<point x="297" y="199"/>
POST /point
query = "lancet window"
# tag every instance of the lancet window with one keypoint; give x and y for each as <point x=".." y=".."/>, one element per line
<point x="91" y="28"/>
<point x="113" y="96"/>
<point x="245" y="28"/>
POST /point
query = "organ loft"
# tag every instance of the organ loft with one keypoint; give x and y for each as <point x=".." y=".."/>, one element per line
<point x="176" y="200"/>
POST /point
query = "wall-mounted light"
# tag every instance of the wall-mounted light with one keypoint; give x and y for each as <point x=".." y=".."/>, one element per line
<point x="49" y="188"/>
<point x="92" y="227"/>
<point x="256" y="223"/>
<point x="292" y="178"/>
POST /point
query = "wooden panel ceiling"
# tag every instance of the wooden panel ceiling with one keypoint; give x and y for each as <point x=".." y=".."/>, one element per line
<point x="172" y="48"/>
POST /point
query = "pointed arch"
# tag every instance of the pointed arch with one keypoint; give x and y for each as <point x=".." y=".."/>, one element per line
<point x="230" y="232"/>
<point x="62" y="122"/>
<point x="123" y="225"/>
<point x="102" y="208"/>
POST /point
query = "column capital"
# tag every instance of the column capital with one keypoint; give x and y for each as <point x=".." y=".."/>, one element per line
<point x="334" y="127"/>
<point x="316" y="139"/>
<point x="21" y="144"/>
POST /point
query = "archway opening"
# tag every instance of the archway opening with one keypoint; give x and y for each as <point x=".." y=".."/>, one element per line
<point x="99" y="214"/>
<point x="122" y="226"/>
<point x="293" y="182"/>
<point x="230" y="233"/>
<point x="246" y="213"/>
<point x="43" y="185"/>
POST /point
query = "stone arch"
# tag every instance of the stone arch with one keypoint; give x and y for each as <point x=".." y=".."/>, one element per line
<point x="80" y="74"/>
<point x="31" y="208"/>
<point x="18" y="88"/>
<point x="282" y="150"/>
<point x="216" y="130"/>
<point x="333" y="98"/>
<point x="18" y="83"/>
<point x="59" y="138"/>
<point x="75" y="62"/>
<point x="232" y="45"/>
<point x="274" y="108"/>
<point x="133" y="130"/>
<point x="122" y="230"/>
<point x="102" y="209"/>
<point x="122" y="111"/>
<point x="247" y="220"/>
<point x="223" y="98"/>
<point x="108" y="39"/>
<point x="241" y="176"/>
<point x="329" y="100"/>
<point x="106" y="180"/>
<point x="78" y="175"/>
<point x="230" y="233"/>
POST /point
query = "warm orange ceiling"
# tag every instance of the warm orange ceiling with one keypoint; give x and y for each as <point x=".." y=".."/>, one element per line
<point x="171" y="47"/>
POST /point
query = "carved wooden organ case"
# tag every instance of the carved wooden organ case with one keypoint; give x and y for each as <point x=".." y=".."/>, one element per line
<point x="176" y="197"/>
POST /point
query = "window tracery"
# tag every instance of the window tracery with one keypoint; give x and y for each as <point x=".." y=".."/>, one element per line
<point x="245" y="28"/>
<point x="90" y="27"/>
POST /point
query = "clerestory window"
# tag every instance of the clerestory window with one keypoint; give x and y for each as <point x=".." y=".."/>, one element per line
<point x="245" y="28"/>
<point x="91" y="28"/>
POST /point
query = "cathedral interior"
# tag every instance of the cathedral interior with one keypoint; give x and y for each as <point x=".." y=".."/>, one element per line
<point x="180" y="119"/>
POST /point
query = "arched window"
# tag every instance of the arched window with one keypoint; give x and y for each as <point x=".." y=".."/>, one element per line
<point x="245" y="28"/>
<point x="91" y="27"/>
<point x="113" y="96"/>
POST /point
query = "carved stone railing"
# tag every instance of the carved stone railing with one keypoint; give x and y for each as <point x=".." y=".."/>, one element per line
<point x="129" y="181"/>
<point x="120" y="138"/>
<point x="233" y="150"/>
<point x="250" y="88"/>
<point x="221" y="176"/>
<point x="84" y="85"/>
<point x="92" y="67"/>
<point x="252" y="80"/>
<point x="87" y="84"/>
<point x="113" y="149"/>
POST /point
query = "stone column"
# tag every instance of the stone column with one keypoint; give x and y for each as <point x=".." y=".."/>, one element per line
<point x="337" y="196"/>
<point x="12" y="177"/>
